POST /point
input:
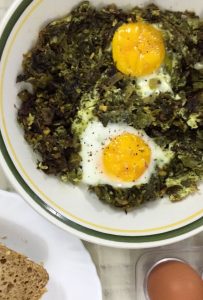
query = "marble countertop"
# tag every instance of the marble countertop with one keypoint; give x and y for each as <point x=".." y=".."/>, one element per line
<point x="116" y="267"/>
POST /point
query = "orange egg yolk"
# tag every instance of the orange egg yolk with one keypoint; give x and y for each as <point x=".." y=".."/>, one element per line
<point x="126" y="157"/>
<point x="138" y="49"/>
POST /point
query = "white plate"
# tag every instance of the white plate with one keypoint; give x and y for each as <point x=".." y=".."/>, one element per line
<point x="69" y="207"/>
<point x="72" y="273"/>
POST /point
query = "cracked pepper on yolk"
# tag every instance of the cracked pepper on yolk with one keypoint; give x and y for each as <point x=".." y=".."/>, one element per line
<point x="126" y="157"/>
<point x="138" y="49"/>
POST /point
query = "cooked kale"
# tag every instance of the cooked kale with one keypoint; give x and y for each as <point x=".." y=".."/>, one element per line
<point x="71" y="70"/>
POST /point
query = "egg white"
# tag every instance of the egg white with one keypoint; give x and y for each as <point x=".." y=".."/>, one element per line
<point x="96" y="137"/>
<point x="143" y="83"/>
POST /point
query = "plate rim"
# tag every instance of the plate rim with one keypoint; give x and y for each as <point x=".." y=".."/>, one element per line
<point x="107" y="239"/>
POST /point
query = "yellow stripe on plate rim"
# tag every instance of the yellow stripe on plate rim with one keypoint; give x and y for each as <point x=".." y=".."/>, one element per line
<point x="34" y="185"/>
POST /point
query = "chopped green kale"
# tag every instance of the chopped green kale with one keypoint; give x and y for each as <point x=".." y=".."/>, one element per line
<point x="74" y="79"/>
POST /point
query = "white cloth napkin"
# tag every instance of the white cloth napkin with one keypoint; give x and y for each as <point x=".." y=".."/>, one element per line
<point x="72" y="273"/>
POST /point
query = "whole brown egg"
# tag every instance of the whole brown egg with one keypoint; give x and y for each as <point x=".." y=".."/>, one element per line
<point x="174" y="280"/>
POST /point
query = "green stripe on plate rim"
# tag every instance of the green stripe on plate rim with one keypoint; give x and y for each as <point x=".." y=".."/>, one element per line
<point x="114" y="238"/>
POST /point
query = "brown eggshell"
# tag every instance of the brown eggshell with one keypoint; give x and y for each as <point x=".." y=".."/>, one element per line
<point x="174" y="280"/>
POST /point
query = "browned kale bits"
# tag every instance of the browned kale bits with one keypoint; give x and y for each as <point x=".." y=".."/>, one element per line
<point x="72" y="57"/>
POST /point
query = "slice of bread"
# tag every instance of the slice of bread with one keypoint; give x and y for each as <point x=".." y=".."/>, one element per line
<point x="20" y="278"/>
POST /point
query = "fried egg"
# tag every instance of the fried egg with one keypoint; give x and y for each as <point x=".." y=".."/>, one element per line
<point x="138" y="50"/>
<point x="118" y="155"/>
